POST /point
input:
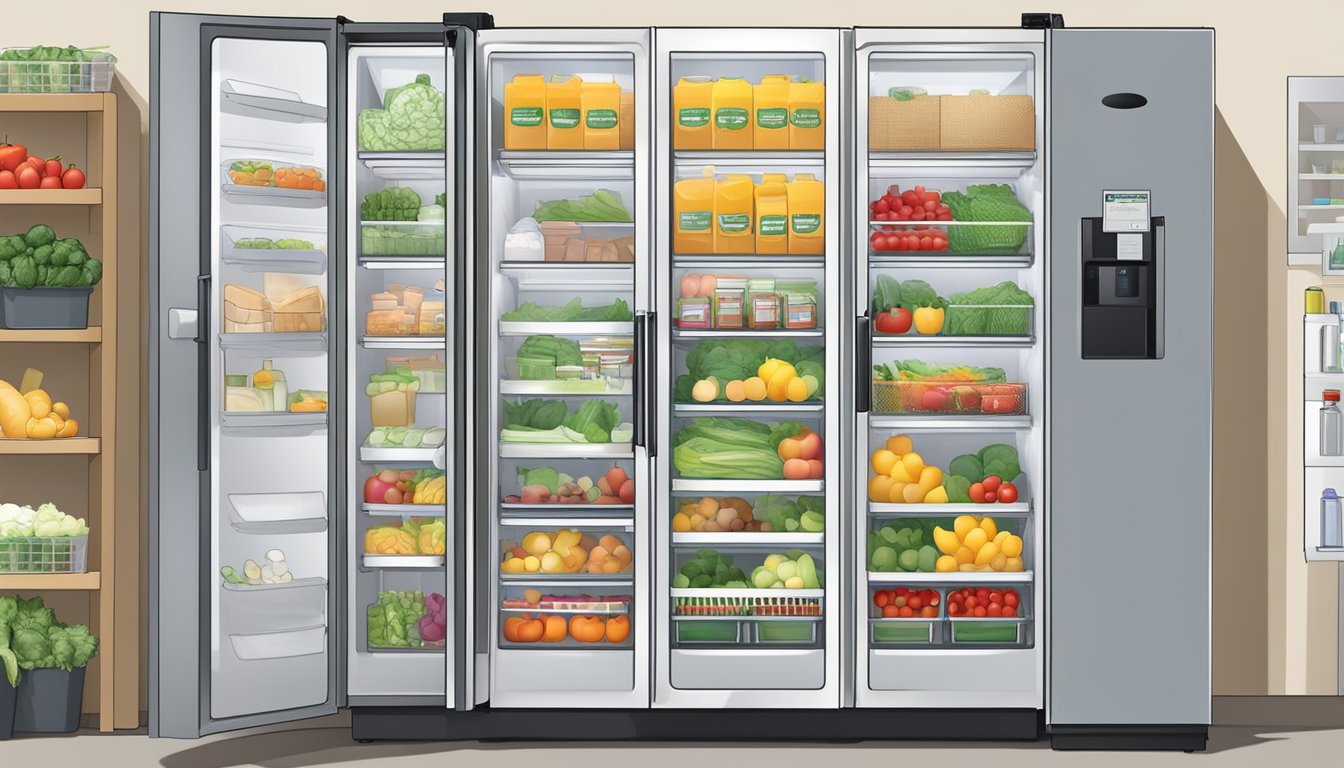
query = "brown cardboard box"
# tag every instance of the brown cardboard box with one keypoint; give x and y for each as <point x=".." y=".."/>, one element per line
<point x="1006" y="123"/>
<point x="903" y="125"/>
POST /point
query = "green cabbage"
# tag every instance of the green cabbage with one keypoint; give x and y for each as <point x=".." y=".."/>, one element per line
<point x="411" y="120"/>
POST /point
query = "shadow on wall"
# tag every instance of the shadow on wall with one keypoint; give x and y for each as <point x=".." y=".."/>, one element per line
<point x="1241" y="269"/>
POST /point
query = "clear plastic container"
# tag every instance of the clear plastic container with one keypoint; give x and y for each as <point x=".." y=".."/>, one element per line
<point x="44" y="554"/>
<point x="92" y="76"/>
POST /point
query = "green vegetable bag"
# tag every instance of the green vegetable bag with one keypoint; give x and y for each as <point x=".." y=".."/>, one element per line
<point x="411" y="120"/>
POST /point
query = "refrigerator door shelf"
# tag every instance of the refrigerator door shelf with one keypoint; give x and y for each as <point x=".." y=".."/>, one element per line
<point x="734" y="159"/>
<point x="960" y="423"/>
<point x="589" y="509"/>
<point x="263" y="102"/>
<point x="750" y="410"/>
<point x="916" y="340"/>
<point x="604" y="609"/>
<point x="744" y="540"/>
<point x="569" y="643"/>
<point x="542" y="523"/>
<point x="309" y="582"/>
<point x="945" y="260"/>
<point x="283" y="644"/>
<point x="749" y="594"/>
<point x="553" y="581"/>
<point x="408" y="562"/>
<point x="275" y="197"/>
<point x="566" y="451"/>
<point x="956" y="577"/>
<point x="810" y="333"/>
<point x="404" y="342"/>
<point x="278" y="513"/>
<point x="404" y="455"/>
<point x="403" y="510"/>
<point x="404" y="166"/>
<point x="702" y="261"/>
<point x="285" y="260"/>
<point x="688" y="485"/>
<point x="261" y="345"/>
<point x="402" y="262"/>
<point x="978" y="161"/>
<point x="510" y="328"/>
<point x="546" y="165"/>
<point x="275" y="424"/>
<point x="876" y="510"/>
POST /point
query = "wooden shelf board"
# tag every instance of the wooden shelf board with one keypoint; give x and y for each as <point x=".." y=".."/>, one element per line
<point x="65" y="445"/>
<point x="51" y="102"/>
<point x="51" y="581"/>
<point x="87" y="196"/>
<point x="90" y="335"/>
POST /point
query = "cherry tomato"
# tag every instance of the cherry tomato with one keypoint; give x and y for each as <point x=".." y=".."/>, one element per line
<point x="890" y="611"/>
<point x="912" y="242"/>
<point x="977" y="493"/>
<point x="928" y="612"/>
<point x="895" y="243"/>
<point x="910" y="197"/>
<point x="905" y="211"/>
<point x="8" y="180"/>
<point x="900" y="601"/>
<point x="995" y="596"/>
<point x="877" y="241"/>
<point x="980" y="611"/>
<point x="1010" y="599"/>
<point x="931" y="597"/>
<point x="50" y="182"/>
<point x="1008" y="493"/>
<point x="28" y="177"/>
<point x="971" y="602"/>
<point x="945" y="216"/>
<point x="935" y="196"/>
<point x="991" y="497"/>
<point x="900" y="592"/>
<point x="881" y="206"/>
<point x="907" y="612"/>
<point x="880" y="598"/>
<point x="926" y="243"/>
<point x="914" y="602"/>
<point x="994" y="610"/>
<point x="52" y="167"/>
<point x="993" y="482"/>
<point x="918" y="214"/>
<point x="1009" y="611"/>
<point x="37" y="163"/>
<point x="930" y="206"/>
<point x="953" y="608"/>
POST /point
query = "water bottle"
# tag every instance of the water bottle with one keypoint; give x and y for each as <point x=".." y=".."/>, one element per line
<point x="1330" y="348"/>
<point x="1332" y="526"/>
<point x="1331" y="423"/>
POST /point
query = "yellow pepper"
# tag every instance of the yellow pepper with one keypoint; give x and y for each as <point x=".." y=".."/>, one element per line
<point x="928" y="320"/>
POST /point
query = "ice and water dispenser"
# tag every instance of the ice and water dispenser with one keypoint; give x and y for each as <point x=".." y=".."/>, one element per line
<point x="1123" y="291"/>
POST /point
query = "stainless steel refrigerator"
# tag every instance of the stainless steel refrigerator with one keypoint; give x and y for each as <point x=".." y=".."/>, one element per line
<point x="307" y="334"/>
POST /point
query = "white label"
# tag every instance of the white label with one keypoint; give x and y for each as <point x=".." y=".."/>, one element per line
<point x="1125" y="211"/>
<point x="1129" y="247"/>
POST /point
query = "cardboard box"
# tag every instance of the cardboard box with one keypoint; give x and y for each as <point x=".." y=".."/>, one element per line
<point x="903" y="125"/>
<point x="1005" y="123"/>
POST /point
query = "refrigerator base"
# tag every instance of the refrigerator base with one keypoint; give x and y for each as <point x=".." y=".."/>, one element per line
<point x="435" y="724"/>
<point x="1189" y="738"/>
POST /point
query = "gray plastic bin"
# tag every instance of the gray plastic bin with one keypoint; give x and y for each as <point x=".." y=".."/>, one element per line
<point x="7" y="699"/>
<point x="49" y="701"/>
<point x="34" y="309"/>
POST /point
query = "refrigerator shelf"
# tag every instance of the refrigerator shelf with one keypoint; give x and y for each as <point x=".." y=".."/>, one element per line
<point x="749" y="594"/>
<point x="905" y="632"/>
<point x="308" y="261"/>
<point x="965" y="578"/>
<point x="274" y="197"/>
<point x="608" y="608"/>
<point x="950" y="423"/>
<point x="427" y="650"/>
<point x="566" y="451"/>
<point x="746" y="261"/>
<point x="402" y="262"/>
<point x="509" y="508"/>
<point x="370" y="454"/>
<point x="404" y="342"/>
<point x="986" y="161"/>
<point x="405" y="165"/>
<point x="404" y="510"/>
<point x="794" y="158"/>
<point x="275" y="344"/>
<point x="695" y="485"/>
<point x="278" y="513"/>
<point x="750" y="410"/>
<point x="743" y="333"/>
<point x="916" y="340"/>
<point x="995" y="510"/>
<point x="274" y="424"/>
<point x="308" y="582"/>
<point x="282" y="644"/>
<point x="934" y="224"/>
<point x="409" y="562"/>
<point x="566" y="387"/>
<point x="572" y="580"/>
<point x="945" y="260"/>
<point x="745" y="539"/>
<point x="263" y="102"/>
<point x="745" y="617"/>
<point x="617" y="521"/>
<point x="553" y="164"/>
<point x="568" y="644"/>
<point x="509" y="328"/>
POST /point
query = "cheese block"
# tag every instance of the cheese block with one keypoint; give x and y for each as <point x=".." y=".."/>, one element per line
<point x="576" y="249"/>
<point x="245" y="298"/>
<point x="383" y="301"/>
<point x="408" y="297"/>
<point x="279" y="286"/>
<point x="303" y="300"/>
<point x="299" y="322"/>
<point x="242" y="400"/>
<point x="625" y="248"/>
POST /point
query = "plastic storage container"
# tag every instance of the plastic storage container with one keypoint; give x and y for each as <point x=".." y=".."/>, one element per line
<point x="949" y="397"/>
<point x="92" y="76"/>
<point x="44" y="554"/>
<point x="44" y="308"/>
<point x="48" y="701"/>
<point x="7" y="702"/>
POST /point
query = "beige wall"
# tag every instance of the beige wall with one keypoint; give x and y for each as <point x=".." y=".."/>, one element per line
<point x="1274" y="617"/>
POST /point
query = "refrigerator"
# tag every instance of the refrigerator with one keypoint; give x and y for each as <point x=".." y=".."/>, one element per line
<point x="308" y="340"/>
<point x="801" y="374"/>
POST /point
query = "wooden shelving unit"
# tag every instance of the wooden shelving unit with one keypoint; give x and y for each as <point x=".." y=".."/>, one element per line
<point x="113" y="604"/>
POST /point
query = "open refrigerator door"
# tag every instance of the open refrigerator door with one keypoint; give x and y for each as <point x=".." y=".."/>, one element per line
<point x="564" y="307"/>
<point x="749" y="369"/>
<point x="950" y="442"/>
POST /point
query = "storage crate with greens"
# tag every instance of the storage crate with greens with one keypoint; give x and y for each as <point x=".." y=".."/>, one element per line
<point x="45" y="282"/>
<point x="43" y="665"/>
<point x="45" y="540"/>
<point x="53" y="69"/>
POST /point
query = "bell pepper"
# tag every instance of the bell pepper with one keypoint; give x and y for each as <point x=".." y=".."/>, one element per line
<point x="929" y="320"/>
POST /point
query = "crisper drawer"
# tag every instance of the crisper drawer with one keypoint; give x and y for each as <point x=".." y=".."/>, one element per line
<point x="570" y="671"/>
<point x="252" y="608"/>
<point x="979" y="616"/>
<point x="566" y="619"/>
<point x="752" y="668"/>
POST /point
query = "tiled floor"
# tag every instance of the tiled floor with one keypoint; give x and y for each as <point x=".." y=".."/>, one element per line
<point x="1318" y="742"/>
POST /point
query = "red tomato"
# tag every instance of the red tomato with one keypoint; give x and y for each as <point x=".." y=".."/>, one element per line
<point x="933" y="400"/>
<point x="905" y="211"/>
<point x="52" y="167"/>
<point x="1010" y="598"/>
<point x="900" y="601"/>
<point x="896" y="320"/>
<point x="977" y="493"/>
<point x="945" y="216"/>
<point x="930" y="597"/>
<point x="980" y="612"/>
<point x="912" y="242"/>
<point x="914" y="602"/>
<point x="910" y="197"/>
<point x="907" y="612"/>
<point x="878" y="241"/>
<point x="880" y="598"/>
<point x="971" y="602"/>
<point x="935" y="196"/>
<point x="994" y="610"/>
<point x="11" y="155"/>
<point x="8" y="180"/>
<point x="993" y="482"/>
<point x="50" y="182"/>
<point x="982" y="595"/>
<point x="895" y="243"/>
<point x="930" y="206"/>
<point x="918" y="215"/>
<point x="995" y="596"/>
<point x="928" y="612"/>
<point x="881" y="205"/>
<point x="1008" y="493"/>
<point x="953" y="608"/>
<point x="926" y="243"/>
<point x="28" y="177"/>
<point x="890" y="611"/>
<point x="991" y="497"/>
<point x="900" y="592"/>
<point x="1009" y="611"/>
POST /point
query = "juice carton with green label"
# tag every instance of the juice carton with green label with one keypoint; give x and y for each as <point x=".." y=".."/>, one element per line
<point x="692" y="100"/>
<point x="734" y="206"/>
<point x="807" y="207"/>
<point x="564" y="111"/>
<point x="772" y="214"/>
<point x="693" y="214"/>
<point x="731" y="126"/>
<point x="601" y="115"/>
<point x="525" y="112"/>
<point x="770" y="121"/>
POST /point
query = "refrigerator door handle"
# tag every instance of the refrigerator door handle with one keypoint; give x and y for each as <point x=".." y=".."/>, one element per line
<point x="182" y="324"/>
<point x="651" y="392"/>
<point x="863" y="362"/>
<point x="202" y="373"/>
<point x="639" y="410"/>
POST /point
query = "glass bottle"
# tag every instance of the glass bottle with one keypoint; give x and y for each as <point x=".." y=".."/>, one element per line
<point x="1331" y="422"/>
<point x="1332" y="526"/>
<point x="271" y="386"/>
